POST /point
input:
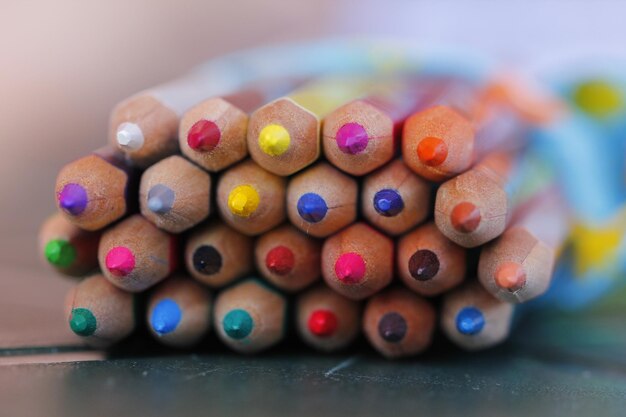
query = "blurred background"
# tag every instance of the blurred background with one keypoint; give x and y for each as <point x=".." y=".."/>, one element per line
<point x="64" y="65"/>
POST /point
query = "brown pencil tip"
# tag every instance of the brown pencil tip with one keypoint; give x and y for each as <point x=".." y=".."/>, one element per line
<point x="465" y="217"/>
<point x="510" y="276"/>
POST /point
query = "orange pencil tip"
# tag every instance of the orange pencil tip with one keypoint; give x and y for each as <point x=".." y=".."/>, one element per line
<point x="465" y="217"/>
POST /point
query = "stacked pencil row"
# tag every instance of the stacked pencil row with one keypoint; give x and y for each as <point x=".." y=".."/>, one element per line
<point x="361" y="217"/>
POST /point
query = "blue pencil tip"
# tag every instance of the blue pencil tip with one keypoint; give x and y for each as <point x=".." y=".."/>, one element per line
<point x="312" y="208"/>
<point x="470" y="321"/>
<point x="388" y="202"/>
<point x="165" y="316"/>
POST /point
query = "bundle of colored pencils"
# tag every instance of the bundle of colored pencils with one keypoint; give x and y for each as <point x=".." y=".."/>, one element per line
<point x="374" y="201"/>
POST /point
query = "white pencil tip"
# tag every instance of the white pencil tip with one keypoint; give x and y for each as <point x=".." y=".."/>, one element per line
<point x="129" y="136"/>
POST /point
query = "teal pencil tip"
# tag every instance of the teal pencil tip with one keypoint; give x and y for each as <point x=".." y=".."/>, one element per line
<point x="237" y="324"/>
<point x="83" y="322"/>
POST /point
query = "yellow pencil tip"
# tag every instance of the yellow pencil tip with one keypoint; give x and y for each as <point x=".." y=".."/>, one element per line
<point x="274" y="140"/>
<point x="243" y="200"/>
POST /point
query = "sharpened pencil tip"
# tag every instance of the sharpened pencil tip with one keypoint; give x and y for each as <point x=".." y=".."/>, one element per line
<point x="73" y="199"/>
<point x="60" y="253"/>
<point x="470" y="321"/>
<point x="274" y="140"/>
<point x="510" y="276"/>
<point x="432" y="151"/>
<point x="350" y="268"/>
<point x="238" y="324"/>
<point x="166" y="316"/>
<point x="83" y="322"/>
<point x="465" y="217"/>
<point x="204" y="136"/>
<point x="352" y="138"/>
<point x="129" y="136"/>
<point x="322" y="323"/>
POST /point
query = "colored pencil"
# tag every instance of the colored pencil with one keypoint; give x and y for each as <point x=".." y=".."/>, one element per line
<point x="67" y="248"/>
<point x="399" y="323"/>
<point x="145" y="125"/>
<point x="135" y="255"/>
<point x="476" y="206"/>
<point x="518" y="266"/>
<point x="251" y="199"/>
<point x="464" y="126"/>
<point x="99" y="312"/>
<point x="321" y="200"/>
<point x="217" y="255"/>
<point x="96" y="190"/>
<point x="288" y="258"/>
<point x="358" y="261"/>
<point x="326" y="320"/>
<point x="284" y="135"/>
<point x="394" y="199"/>
<point x="174" y="194"/>
<point x="429" y="263"/>
<point x="213" y="133"/>
<point x="473" y="319"/>
<point x="250" y="317"/>
<point x="179" y="311"/>
<point x="363" y="135"/>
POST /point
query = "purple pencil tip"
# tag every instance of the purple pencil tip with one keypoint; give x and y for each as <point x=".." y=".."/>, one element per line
<point x="73" y="199"/>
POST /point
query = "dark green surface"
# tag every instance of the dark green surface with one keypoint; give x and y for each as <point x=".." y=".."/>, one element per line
<point x="556" y="365"/>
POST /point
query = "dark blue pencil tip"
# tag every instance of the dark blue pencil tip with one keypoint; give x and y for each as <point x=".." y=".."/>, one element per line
<point x="470" y="321"/>
<point x="388" y="202"/>
<point x="165" y="316"/>
<point x="312" y="207"/>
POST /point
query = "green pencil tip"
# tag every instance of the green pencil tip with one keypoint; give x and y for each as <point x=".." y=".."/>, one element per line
<point x="60" y="253"/>
<point x="83" y="322"/>
<point x="238" y="324"/>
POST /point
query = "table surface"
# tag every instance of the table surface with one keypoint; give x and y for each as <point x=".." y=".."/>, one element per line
<point x="555" y="364"/>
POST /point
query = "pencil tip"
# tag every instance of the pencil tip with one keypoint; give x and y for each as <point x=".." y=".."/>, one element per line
<point x="166" y="316"/>
<point x="432" y="151"/>
<point x="120" y="261"/>
<point x="350" y="268"/>
<point x="392" y="327"/>
<point x="129" y="136"/>
<point x="388" y="202"/>
<point x="204" y="136"/>
<point x="312" y="207"/>
<point x="510" y="276"/>
<point x="274" y="140"/>
<point x="322" y="323"/>
<point x="60" y="253"/>
<point x="207" y="260"/>
<point x="470" y="321"/>
<point x="280" y="260"/>
<point x="243" y="200"/>
<point x="352" y="138"/>
<point x="237" y="324"/>
<point x="424" y="265"/>
<point x="465" y="217"/>
<point x="83" y="322"/>
<point x="73" y="199"/>
<point x="161" y="199"/>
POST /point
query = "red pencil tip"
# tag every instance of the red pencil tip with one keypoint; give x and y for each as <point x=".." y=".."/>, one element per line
<point x="323" y="323"/>
<point x="280" y="260"/>
<point x="203" y="136"/>
<point x="465" y="217"/>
